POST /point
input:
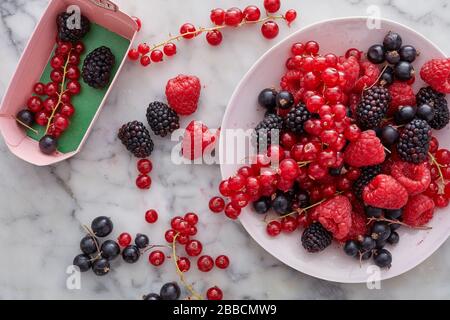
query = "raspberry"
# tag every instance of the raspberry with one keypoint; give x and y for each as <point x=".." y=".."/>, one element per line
<point x="351" y="69"/>
<point x="335" y="215"/>
<point x="436" y="73"/>
<point x="355" y="99"/>
<point x="386" y="193"/>
<point x="196" y="139"/>
<point x="359" y="226"/>
<point x="366" y="151"/>
<point x="291" y="82"/>
<point x="183" y="93"/>
<point x="419" y="211"/>
<point x="415" y="178"/>
<point x="402" y="94"/>
<point x="370" y="74"/>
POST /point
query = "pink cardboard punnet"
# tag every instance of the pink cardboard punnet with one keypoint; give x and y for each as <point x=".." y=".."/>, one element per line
<point x="35" y="58"/>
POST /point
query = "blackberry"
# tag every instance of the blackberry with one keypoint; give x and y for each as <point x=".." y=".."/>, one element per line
<point x="97" y="67"/>
<point x="162" y="119"/>
<point x="316" y="238"/>
<point x="436" y="100"/>
<point x="68" y="32"/>
<point x="263" y="131"/>
<point x="367" y="175"/>
<point x="373" y="107"/>
<point x="137" y="139"/>
<point x="414" y="141"/>
<point x="296" y="118"/>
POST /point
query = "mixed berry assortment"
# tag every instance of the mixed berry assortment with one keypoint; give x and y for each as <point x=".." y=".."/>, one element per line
<point x="97" y="256"/>
<point x="221" y="19"/>
<point x="355" y="158"/>
<point x="50" y="106"/>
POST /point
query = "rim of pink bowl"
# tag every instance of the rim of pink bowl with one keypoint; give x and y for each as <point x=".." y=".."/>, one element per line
<point x="289" y="262"/>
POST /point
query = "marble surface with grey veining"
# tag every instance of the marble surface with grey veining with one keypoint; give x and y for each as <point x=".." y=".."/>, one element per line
<point x="42" y="210"/>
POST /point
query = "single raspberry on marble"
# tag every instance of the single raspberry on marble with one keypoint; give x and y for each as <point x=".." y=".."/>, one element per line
<point x="366" y="151"/>
<point x="386" y="193"/>
<point x="183" y="94"/>
<point x="419" y="211"/>
<point x="335" y="215"/>
<point x="196" y="139"/>
<point x="436" y="73"/>
<point x="351" y="69"/>
<point x="402" y="94"/>
<point x="369" y="76"/>
<point x="416" y="178"/>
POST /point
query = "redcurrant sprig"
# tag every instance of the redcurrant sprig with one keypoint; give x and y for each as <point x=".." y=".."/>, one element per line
<point x="221" y="19"/>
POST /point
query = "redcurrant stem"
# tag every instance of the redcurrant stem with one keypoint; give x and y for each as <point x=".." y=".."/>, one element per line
<point x="20" y="122"/>
<point x="398" y="222"/>
<point x="387" y="150"/>
<point x="151" y="247"/>
<point x="202" y="30"/>
<point x="435" y="162"/>
<point x="63" y="83"/>
<point x="180" y="273"/>
<point x="379" y="77"/>
<point x="299" y="211"/>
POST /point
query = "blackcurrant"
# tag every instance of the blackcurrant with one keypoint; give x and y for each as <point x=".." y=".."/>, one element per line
<point x="404" y="71"/>
<point x="425" y="112"/>
<point x="142" y="241"/>
<point x="101" y="267"/>
<point x="395" y="226"/>
<point x="102" y="226"/>
<point x="152" y="297"/>
<point x="380" y="231"/>
<point x="268" y="99"/>
<point x="382" y="258"/>
<point x="351" y="248"/>
<point x="281" y="205"/>
<point x="392" y="41"/>
<point x="380" y="244"/>
<point x="170" y="291"/>
<point x="110" y="250"/>
<point x="83" y="262"/>
<point x="408" y="53"/>
<point x="131" y="254"/>
<point x="392" y="57"/>
<point x="89" y="245"/>
<point x="394" y="238"/>
<point x="48" y="145"/>
<point x="335" y="172"/>
<point x="285" y="100"/>
<point x="376" y="54"/>
<point x="405" y="115"/>
<point x="372" y="212"/>
<point x="303" y="199"/>
<point x="262" y="205"/>
<point x="387" y="77"/>
<point x="367" y="243"/>
<point x="366" y="255"/>
<point x="389" y="135"/>
<point x="394" y="214"/>
<point x="26" y="117"/>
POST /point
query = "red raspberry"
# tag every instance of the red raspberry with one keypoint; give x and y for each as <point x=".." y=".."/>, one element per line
<point x="419" y="211"/>
<point x="196" y="139"/>
<point x="369" y="76"/>
<point x="183" y="93"/>
<point x="359" y="226"/>
<point x="291" y="82"/>
<point x="402" y="95"/>
<point x="335" y="215"/>
<point x="386" y="193"/>
<point x="415" y="178"/>
<point x="355" y="99"/>
<point x="436" y="73"/>
<point x="351" y="69"/>
<point x="366" y="151"/>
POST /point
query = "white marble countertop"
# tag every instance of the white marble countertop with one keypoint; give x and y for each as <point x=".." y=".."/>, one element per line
<point x="42" y="209"/>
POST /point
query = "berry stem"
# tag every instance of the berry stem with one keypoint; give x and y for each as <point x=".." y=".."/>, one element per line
<point x="398" y="222"/>
<point x="19" y="122"/>
<point x="180" y="273"/>
<point x="202" y="30"/>
<point x="438" y="165"/>
<point x="63" y="83"/>
<point x="299" y="211"/>
<point x="92" y="234"/>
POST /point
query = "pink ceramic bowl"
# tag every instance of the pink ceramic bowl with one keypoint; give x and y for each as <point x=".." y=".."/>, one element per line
<point x="243" y="113"/>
